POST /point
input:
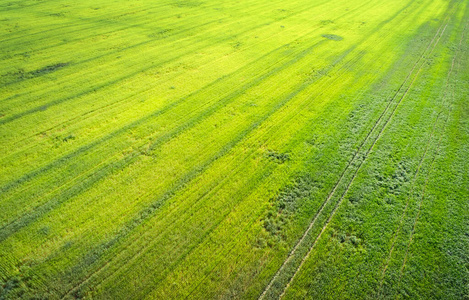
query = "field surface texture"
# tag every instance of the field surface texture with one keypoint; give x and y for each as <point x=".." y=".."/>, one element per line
<point x="222" y="149"/>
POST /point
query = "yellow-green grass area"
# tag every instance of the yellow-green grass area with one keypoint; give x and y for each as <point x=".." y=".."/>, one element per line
<point x="234" y="149"/>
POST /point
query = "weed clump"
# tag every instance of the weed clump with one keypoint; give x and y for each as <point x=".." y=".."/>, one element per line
<point x="68" y="138"/>
<point x="19" y="285"/>
<point x="21" y="74"/>
<point x="326" y="22"/>
<point x="47" y="69"/>
<point x="277" y="157"/>
<point x="393" y="184"/>
<point x="347" y="239"/>
<point x="332" y="37"/>
<point x="283" y="208"/>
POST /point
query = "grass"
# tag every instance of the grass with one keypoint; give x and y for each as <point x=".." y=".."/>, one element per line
<point x="259" y="149"/>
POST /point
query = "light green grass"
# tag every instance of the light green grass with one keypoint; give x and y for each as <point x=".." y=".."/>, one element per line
<point x="230" y="149"/>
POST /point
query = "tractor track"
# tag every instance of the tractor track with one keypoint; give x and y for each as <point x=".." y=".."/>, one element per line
<point x="349" y="166"/>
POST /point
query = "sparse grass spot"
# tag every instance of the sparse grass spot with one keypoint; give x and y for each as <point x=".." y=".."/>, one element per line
<point x="332" y="37"/>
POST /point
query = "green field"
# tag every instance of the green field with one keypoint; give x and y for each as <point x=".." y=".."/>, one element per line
<point x="202" y="149"/>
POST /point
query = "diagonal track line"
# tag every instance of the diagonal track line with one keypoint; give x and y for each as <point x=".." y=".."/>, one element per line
<point x="349" y="166"/>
